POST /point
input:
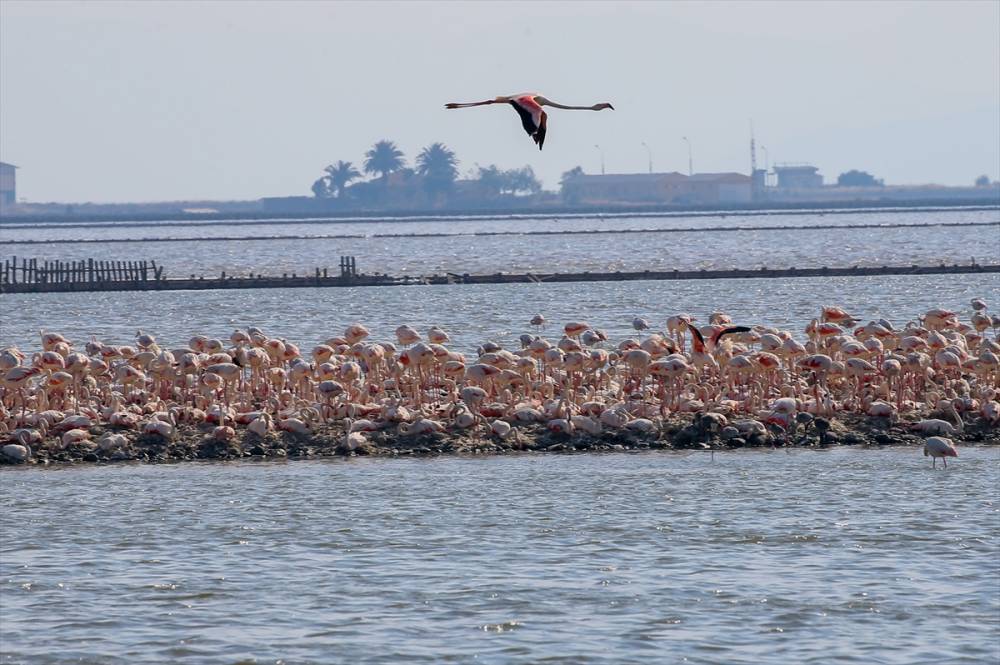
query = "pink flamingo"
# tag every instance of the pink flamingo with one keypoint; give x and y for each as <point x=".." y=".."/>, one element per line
<point x="529" y="106"/>
<point x="938" y="446"/>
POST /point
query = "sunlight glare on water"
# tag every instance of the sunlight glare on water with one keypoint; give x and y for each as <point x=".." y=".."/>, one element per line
<point x="562" y="251"/>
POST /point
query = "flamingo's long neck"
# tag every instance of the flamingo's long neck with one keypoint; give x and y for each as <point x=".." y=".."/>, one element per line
<point x="463" y="105"/>
<point x="548" y="102"/>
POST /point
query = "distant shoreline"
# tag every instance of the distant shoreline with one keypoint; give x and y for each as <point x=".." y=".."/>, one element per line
<point x="77" y="220"/>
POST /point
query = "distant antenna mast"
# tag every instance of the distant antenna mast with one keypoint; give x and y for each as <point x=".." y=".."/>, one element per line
<point x="753" y="151"/>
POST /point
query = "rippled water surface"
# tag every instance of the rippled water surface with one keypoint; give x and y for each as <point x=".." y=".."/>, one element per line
<point x="756" y="557"/>
<point x="848" y="555"/>
<point x="624" y="243"/>
<point x="472" y="314"/>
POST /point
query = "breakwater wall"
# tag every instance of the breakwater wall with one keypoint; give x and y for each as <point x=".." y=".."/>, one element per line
<point x="548" y="232"/>
<point x="81" y="219"/>
<point x="348" y="276"/>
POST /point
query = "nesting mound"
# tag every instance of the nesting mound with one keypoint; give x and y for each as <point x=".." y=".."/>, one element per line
<point x="678" y="433"/>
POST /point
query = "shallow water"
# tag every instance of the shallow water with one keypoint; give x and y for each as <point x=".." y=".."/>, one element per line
<point x="565" y="250"/>
<point x="758" y="557"/>
<point x="471" y="314"/>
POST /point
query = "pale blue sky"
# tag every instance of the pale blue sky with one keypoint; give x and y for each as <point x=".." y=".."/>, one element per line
<point x="130" y="101"/>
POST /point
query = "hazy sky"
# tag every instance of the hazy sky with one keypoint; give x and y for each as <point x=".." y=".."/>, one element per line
<point x="135" y="101"/>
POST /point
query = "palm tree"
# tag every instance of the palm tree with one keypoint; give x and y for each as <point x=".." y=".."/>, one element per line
<point x="436" y="161"/>
<point x="384" y="158"/>
<point x="340" y="174"/>
<point x="438" y="166"/>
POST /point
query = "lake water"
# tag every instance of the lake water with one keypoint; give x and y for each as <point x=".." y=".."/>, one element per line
<point x="846" y="555"/>
<point x="471" y="314"/>
<point x="619" y="246"/>
<point x="474" y="313"/>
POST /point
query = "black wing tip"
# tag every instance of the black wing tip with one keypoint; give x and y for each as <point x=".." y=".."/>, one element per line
<point x="539" y="137"/>
<point x="729" y="331"/>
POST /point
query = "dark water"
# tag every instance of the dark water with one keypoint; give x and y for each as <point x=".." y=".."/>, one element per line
<point x="853" y="556"/>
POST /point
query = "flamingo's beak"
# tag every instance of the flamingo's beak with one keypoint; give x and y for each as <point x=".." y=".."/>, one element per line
<point x="611" y="107"/>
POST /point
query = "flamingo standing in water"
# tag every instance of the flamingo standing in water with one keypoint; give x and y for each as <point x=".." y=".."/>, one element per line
<point x="939" y="446"/>
<point x="529" y="106"/>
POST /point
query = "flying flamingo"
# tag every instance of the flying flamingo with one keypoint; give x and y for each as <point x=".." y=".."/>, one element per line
<point x="529" y="106"/>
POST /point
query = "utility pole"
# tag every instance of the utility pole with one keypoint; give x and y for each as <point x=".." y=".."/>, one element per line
<point x="602" y="157"/>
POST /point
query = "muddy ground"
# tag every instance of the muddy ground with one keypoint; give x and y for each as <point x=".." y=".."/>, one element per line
<point x="679" y="433"/>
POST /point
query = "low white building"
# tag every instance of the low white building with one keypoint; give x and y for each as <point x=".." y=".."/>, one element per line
<point x="662" y="188"/>
<point x="798" y="176"/>
<point x="8" y="186"/>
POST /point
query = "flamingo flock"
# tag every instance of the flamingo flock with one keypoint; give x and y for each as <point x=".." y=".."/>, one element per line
<point x="704" y="385"/>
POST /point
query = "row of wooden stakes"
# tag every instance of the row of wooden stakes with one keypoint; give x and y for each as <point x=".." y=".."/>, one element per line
<point x="31" y="271"/>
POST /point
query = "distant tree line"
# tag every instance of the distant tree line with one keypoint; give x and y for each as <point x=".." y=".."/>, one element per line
<point x="855" y="178"/>
<point x="434" y="181"/>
